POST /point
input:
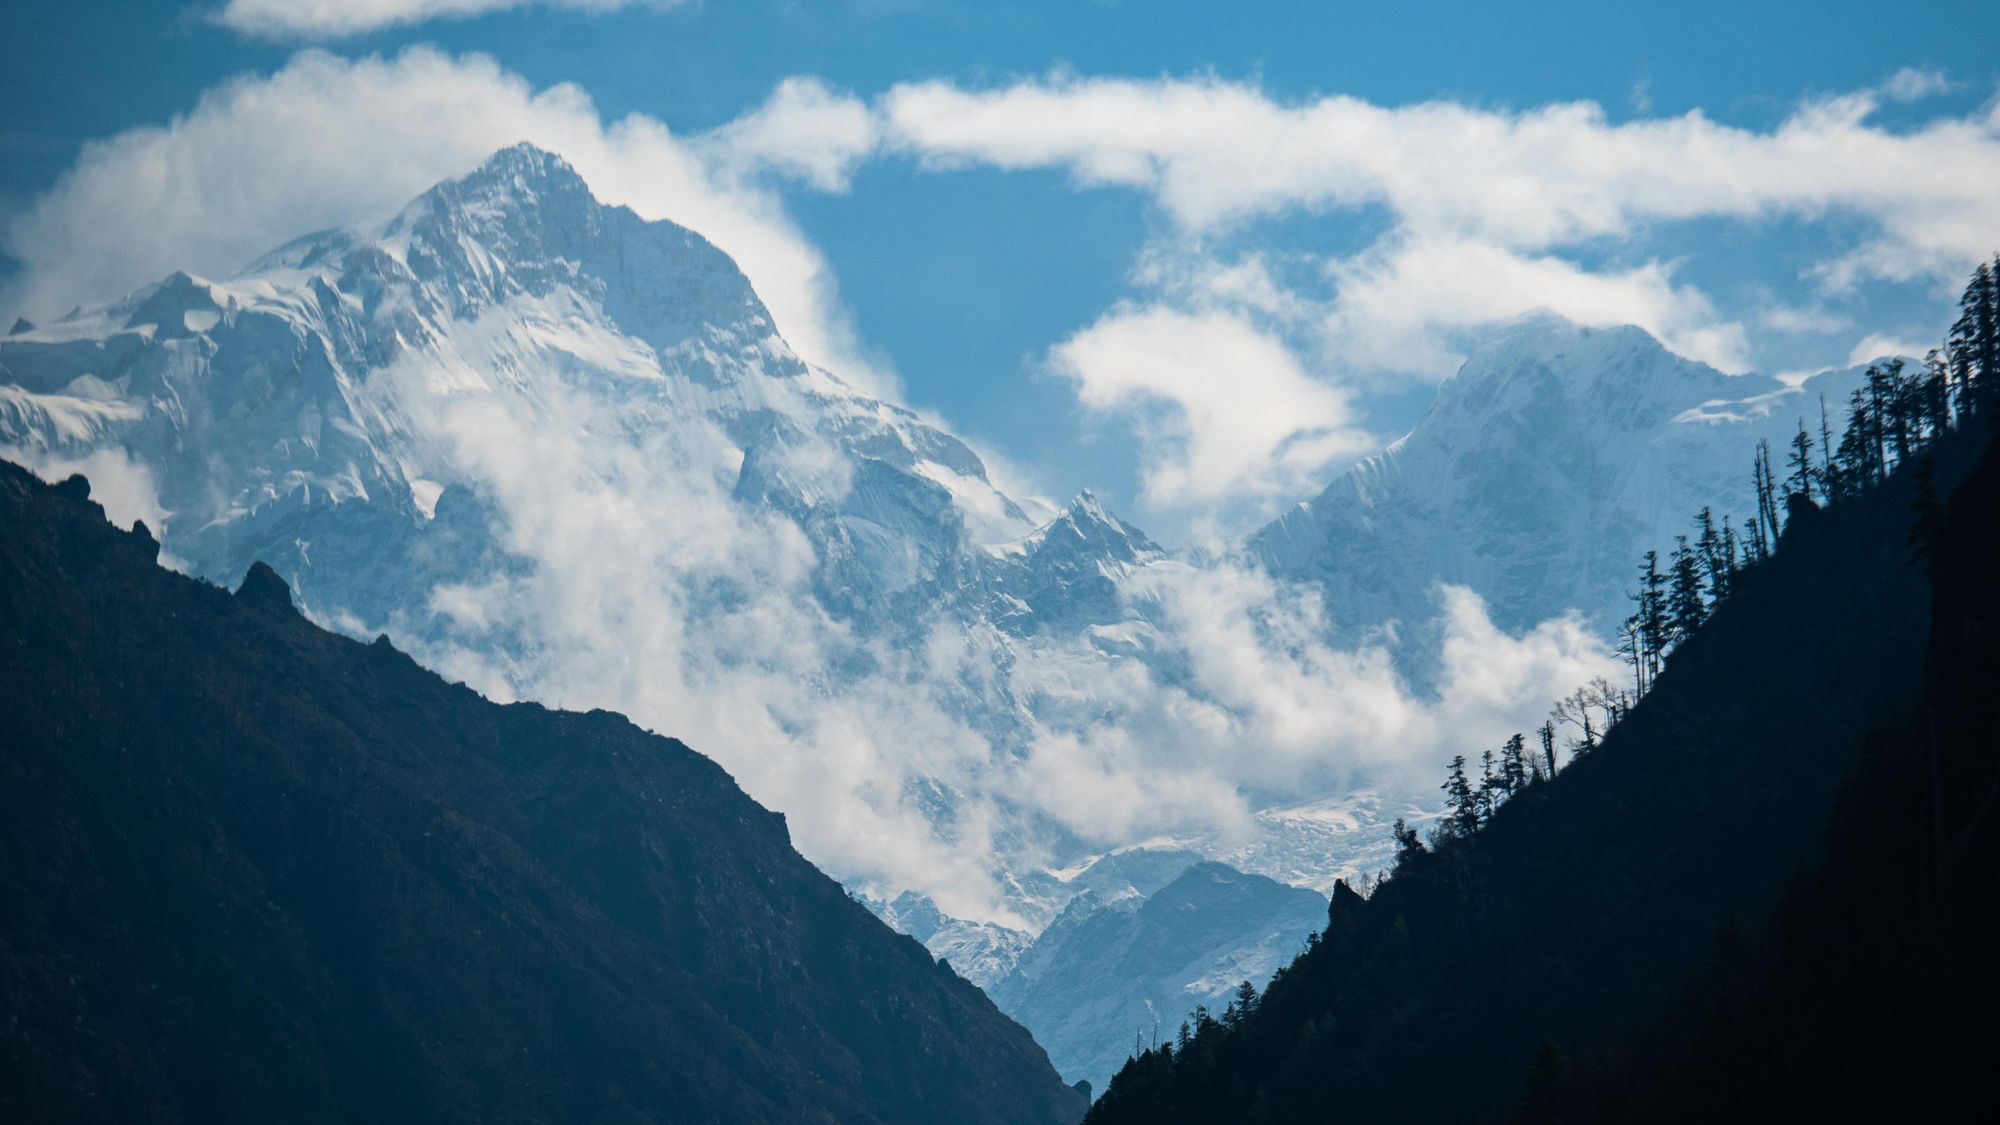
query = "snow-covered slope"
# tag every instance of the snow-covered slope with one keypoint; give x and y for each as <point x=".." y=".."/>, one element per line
<point x="1548" y="464"/>
<point x="320" y="377"/>
<point x="1116" y="966"/>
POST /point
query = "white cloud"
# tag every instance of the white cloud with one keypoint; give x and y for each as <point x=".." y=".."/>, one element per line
<point x="804" y="129"/>
<point x="650" y="590"/>
<point x="1913" y="84"/>
<point x="1225" y="409"/>
<point x="1877" y="345"/>
<point x="1490" y="212"/>
<point x="1399" y="307"/>
<point x="1267" y="707"/>
<point x="334" y="19"/>
<point x="327" y="141"/>
<point x="1215" y="153"/>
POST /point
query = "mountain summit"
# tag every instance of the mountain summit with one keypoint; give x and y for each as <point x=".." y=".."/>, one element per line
<point x="1549" y="462"/>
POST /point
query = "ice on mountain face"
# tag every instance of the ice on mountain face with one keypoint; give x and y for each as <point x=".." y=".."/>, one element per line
<point x="1137" y="964"/>
<point x="560" y="451"/>
<point x="1549" y="463"/>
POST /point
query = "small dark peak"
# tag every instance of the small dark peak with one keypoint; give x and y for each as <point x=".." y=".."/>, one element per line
<point x="382" y="641"/>
<point x="143" y="535"/>
<point x="1346" y="906"/>
<point x="76" y="487"/>
<point x="263" y="589"/>
<point x="1082" y="1086"/>
<point x="21" y="324"/>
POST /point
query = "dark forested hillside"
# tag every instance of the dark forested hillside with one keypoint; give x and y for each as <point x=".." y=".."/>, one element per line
<point x="253" y="871"/>
<point x="1768" y="890"/>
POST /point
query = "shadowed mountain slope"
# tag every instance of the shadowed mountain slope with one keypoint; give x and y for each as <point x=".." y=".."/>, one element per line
<point x="254" y="871"/>
<point x="1589" y="905"/>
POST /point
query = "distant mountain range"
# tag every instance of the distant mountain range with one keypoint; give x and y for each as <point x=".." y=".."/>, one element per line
<point x="563" y="453"/>
<point x="1553" y="458"/>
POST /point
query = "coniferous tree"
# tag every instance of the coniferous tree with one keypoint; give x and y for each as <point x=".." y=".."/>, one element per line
<point x="1242" y="1005"/>
<point x="1514" y="765"/>
<point x="1547" y="733"/>
<point x="1857" y="464"/>
<point x="1650" y="618"/>
<point x="1800" y="483"/>
<point x="1461" y="804"/>
<point x="1709" y="543"/>
<point x="1729" y="550"/>
<point x="1936" y="395"/>
<point x="1877" y="391"/>
<point x="1890" y="405"/>
<point x="1826" y="470"/>
<point x="1685" y="605"/>
<point x="1975" y="339"/>
<point x="1488" y="797"/>
<point x="1767" y="498"/>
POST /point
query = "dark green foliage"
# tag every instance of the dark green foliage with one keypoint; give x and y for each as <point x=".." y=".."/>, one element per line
<point x="253" y="871"/>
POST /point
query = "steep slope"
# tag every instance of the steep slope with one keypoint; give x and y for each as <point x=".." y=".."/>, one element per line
<point x="1586" y="900"/>
<point x="1868" y="997"/>
<point x="255" y="871"/>
<point x="1548" y="464"/>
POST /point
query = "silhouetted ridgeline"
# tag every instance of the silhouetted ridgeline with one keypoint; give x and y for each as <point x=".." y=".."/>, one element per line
<point x="253" y="871"/>
<point x="1727" y="908"/>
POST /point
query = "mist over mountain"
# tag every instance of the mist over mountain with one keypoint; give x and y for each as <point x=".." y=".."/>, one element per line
<point x="564" y="454"/>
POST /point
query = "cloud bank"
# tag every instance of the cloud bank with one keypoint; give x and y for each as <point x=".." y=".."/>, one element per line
<point x="334" y="19"/>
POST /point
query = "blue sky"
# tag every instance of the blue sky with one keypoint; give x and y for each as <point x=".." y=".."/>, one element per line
<point x="1018" y="291"/>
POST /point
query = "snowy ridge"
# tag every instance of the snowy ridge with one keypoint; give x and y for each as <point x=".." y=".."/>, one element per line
<point x="1548" y="464"/>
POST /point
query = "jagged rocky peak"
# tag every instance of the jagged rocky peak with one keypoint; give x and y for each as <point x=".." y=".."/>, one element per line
<point x="525" y="220"/>
<point x="1086" y="523"/>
